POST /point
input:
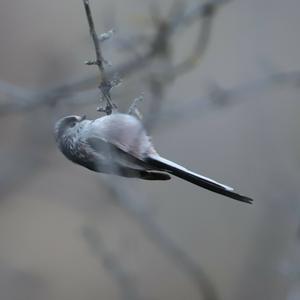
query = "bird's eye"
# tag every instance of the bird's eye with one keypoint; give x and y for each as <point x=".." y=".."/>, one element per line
<point x="72" y="124"/>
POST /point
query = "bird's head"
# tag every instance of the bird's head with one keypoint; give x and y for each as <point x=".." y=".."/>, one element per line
<point x="66" y="125"/>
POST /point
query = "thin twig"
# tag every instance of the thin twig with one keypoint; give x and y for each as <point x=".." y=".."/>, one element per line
<point x="105" y="84"/>
<point x="133" y="109"/>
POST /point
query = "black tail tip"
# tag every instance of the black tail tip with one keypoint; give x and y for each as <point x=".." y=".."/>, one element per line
<point x="246" y="199"/>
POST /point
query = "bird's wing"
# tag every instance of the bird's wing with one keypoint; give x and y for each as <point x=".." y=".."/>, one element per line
<point x="113" y="159"/>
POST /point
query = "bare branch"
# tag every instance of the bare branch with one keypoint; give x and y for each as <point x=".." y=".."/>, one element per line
<point x="105" y="84"/>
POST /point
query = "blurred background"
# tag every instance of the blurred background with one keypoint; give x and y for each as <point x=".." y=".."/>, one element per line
<point x="221" y="85"/>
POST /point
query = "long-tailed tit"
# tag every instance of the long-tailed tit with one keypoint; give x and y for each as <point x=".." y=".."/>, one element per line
<point x="118" y="144"/>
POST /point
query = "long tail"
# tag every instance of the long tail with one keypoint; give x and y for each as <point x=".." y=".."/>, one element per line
<point x="163" y="164"/>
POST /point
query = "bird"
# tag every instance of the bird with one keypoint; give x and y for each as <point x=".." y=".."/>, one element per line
<point x="119" y="144"/>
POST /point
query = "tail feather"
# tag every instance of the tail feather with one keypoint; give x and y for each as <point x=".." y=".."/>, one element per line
<point x="152" y="175"/>
<point x="163" y="164"/>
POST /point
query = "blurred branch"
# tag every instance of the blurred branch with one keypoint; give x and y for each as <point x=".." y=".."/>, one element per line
<point x="207" y="13"/>
<point x="15" y="92"/>
<point x="111" y="263"/>
<point x="18" y="98"/>
<point x="219" y="97"/>
<point x="159" y="46"/>
<point x="156" y="234"/>
<point x="158" y="81"/>
<point x="194" y="11"/>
